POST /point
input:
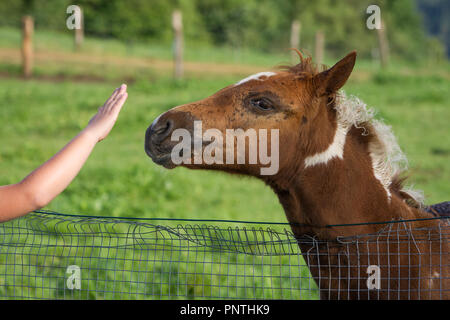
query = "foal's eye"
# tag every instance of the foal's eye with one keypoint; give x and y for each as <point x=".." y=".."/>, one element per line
<point x="262" y="104"/>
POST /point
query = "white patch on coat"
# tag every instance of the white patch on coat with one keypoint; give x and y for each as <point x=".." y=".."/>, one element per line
<point x="388" y="160"/>
<point x="347" y="116"/>
<point x="335" y="149"/>
<point x="257" y="76"/>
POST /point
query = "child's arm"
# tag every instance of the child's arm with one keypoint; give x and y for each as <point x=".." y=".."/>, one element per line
<point x="50" y="179"/>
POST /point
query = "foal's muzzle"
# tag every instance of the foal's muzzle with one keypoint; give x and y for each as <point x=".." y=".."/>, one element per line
<point x="158" y="144"/>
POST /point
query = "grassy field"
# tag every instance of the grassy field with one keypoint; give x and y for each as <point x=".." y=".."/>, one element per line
<point x="38" y="116"/>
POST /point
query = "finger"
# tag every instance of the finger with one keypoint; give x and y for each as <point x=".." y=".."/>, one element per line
<point x="120" y="102"/>
<point x="101" y="109"/>
<point x="112" y="97"/>
<point x="122" y="90"/>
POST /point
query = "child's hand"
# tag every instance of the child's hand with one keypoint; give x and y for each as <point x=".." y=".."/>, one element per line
<point x="101" y="124"/>
<point x="47" y="181"/>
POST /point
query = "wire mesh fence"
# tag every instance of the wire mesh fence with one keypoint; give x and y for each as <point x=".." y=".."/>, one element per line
<point x="54" y="256"/>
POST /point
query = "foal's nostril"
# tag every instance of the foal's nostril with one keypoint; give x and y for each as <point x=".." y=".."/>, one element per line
<point x="162" y="130"/>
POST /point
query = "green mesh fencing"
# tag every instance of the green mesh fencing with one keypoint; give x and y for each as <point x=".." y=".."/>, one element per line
<point x="48" y="255"/>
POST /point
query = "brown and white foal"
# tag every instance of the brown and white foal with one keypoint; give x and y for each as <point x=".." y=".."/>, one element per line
<point x="337" y="165"/>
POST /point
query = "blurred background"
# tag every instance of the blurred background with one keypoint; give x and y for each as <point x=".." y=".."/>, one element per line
<point x="53" y="79"/>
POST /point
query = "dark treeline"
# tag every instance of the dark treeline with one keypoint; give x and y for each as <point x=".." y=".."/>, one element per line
<point x="261" y="24"/>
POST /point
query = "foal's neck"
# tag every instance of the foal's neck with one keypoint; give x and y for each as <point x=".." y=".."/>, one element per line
<point x="341" y="191"/>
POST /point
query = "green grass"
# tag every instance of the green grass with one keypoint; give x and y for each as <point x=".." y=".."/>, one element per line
<point x="38" y="116"/>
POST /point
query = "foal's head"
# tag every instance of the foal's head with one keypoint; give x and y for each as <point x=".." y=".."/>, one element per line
<point x="292" y="105"/>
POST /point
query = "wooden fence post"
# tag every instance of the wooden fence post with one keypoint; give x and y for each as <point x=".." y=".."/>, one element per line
<point x="295" y="39"/>
<point x="177" y="25"/>
<point x="383" y="45"/>
<point x="320" y="44"/>
<point x="27" y="46"/>
<point x="79" y="32"/>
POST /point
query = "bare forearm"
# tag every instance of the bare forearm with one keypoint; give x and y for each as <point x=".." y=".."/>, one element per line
<point x="52" y="177"/>
<point x="47" y="181"/>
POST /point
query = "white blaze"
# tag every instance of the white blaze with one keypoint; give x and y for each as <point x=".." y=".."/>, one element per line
<point x="256" y="77"/>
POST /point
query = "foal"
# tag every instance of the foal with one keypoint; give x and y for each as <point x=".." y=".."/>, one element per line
<point x="337" y="165"/>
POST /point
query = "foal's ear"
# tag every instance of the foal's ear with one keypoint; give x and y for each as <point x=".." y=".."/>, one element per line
<point x="333" y="79"/>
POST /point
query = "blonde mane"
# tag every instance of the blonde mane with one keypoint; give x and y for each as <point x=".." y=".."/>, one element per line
<point x="388" y="160"/>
